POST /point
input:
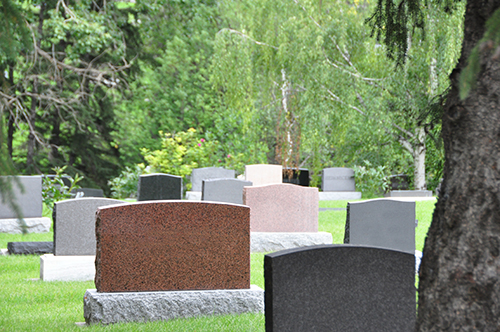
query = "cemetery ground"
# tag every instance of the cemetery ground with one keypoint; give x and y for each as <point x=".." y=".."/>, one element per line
<point x="29" y="304"/>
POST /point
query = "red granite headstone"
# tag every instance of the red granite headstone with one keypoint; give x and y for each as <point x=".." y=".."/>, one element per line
<point x="282" y="208"/>
<point x="172" y="245"/>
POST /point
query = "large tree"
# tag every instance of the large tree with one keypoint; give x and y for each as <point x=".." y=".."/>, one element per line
<point x="459" y="287"/>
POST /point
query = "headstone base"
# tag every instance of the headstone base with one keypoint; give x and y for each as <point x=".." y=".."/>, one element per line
<point x="193" y="195"/>
<point x="338" y="195"/>
<point x="34" y="225"/>
<point x="30" y="248"/>
<point x="110" y="308"/>
<point x="67" y="268"/>
<point x="409" y="193"/>
<point x="275" y="241"/>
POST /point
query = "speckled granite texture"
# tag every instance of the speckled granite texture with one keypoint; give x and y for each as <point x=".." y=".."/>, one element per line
<point x="282" y="208"/>
<point x="172" y="245"/>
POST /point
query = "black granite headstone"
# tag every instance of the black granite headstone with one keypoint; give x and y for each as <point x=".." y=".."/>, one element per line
<point x="340" y="288"/>
<point x="30" y="248"/>
<point x="300" y="177"/>
<point x="399" y="182"/>
<point x="89" y="192"/>
<point x="158" y="187"/>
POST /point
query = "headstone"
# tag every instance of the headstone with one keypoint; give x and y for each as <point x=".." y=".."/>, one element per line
<point x="340" y="288"/>
<point x="89" y="192"/>
<point x="165" y="260"/>
<point x="224" y="190"/>
<point x="262" y="174"/>
<point x="30" y="248"/>
<point x="158" y="187"/>
<point x="74" y="225"/>
<point x="381" y="222"/>
<point x="300" y="177"/>
<point x="282" y="208"/>
<point x="29" y="201"/>
<point x="176" y="245"/>
<point x="399" y="182"/>
<point x="65" y="179"/>
<point x="409" y="193"/>
<point x="338" y="179"/>
<point x="207" y="173"/>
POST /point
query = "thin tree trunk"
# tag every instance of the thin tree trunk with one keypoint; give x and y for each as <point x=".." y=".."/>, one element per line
<point x="459" y="286"/>
<point x="419" y="160"/>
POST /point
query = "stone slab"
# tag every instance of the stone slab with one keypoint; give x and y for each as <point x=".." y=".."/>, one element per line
<point x="224" y="190"/>
<point x="274" y="241"/>
<point x="30" y="248"/>
<point x="381" y="222"/>
<point x="193" y="195"/>
<point x="206" y="173"/>
<point x="109" y="308"/>
<point x="29" y="200"/>
<point x="339" y="195"/>
<point x="282" y="208"/>
<point x="67" y="268"/>
<point x="159" y="186"/>
<point x="74" y="225"/>
<point x="338" y="179"/>
<point x="172" y="245"/>
<point x="300" y="177"/>
<point x="89" y="192"/>
<point x="262" y="174"/>
<point x="409" y="193"/>
<point x="4" y="252"/>
<point x="340" y="288"/>
<point x="34" y="225"/>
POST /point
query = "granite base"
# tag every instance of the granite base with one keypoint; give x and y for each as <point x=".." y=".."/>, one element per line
<point x="193" y="195"/>
<point x="67" y="268"/>
<point x="409" y="193"/>
<point x="275" y="241"/>
<point x="338" y="195"/>
<point x="34" y="225"/>
<point x="30" y="248"/>
<point x="110" y="308"/>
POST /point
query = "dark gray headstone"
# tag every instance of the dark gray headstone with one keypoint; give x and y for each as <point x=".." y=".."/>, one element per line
<point x="29" y="201"/>
<point x="383" y="223"/>
<point x="207" y="173"/>
<point x="338" y="179"/>
<point x="300" y="177"/>
<point x="65" y="179"/>
<point x="340" y="288"/>
<point x="159" y="186"/>
<point x="399" y="182"/>
<point x="74" y="225"/>
<point x="89" y="192"/>
<point x="30" y="248"/>
<point x="224" y="190"/>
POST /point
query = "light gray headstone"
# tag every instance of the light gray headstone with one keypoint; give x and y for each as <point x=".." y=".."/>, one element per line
<point x="224" y="190"/>
<point x="383" y="223"/>
<point x="74" y="225"/>
<point x="207" y="173"/>
<point x="29" y="201"/>
<point x="338" y="179"/>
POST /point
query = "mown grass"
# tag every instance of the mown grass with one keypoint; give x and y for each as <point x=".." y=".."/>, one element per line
<point x="33" y="305"/>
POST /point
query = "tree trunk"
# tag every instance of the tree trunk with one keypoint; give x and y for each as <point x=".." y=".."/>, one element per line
<point x="459" y="286"/>
<point x="419" y="160"/>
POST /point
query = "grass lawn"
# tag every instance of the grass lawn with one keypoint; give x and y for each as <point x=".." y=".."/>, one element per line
<point x="33" y="305"/>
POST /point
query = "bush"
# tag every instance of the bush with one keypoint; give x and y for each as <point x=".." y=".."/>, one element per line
<point x="125" y="185"/>
<point x="371" y="181"/>
<point x="54" y="189"/>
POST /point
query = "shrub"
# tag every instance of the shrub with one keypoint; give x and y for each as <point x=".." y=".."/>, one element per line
<point x="371" y="181"/>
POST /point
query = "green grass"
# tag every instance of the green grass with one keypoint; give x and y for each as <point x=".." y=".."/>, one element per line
<point x="33" y="305"/>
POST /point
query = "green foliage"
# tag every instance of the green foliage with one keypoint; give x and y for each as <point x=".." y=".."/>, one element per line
<point x="14" y="34"/>
<point x="489" y="43"/>
<point x="371" y="181"/>
<point x="54" y="189"/>
<point x="125" y="185"/>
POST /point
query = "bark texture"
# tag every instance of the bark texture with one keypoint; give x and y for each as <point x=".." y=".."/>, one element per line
<point x="459" y="286"/>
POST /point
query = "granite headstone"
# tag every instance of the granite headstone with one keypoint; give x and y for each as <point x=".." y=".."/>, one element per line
<point x="282" y="208"/>
<point x="262" y="174"/>
<point x="224" y="190"/>
<point x="340" y="288"/>
<point x="158" y="187"/>
<point x="29" y="200"/>
<point x="382" y="222"/>
<point x="89" y="192"/>
<point x="294" y="176"/>
<point x="206" y="173"/>
<point x="74" y="225"/>
<point x="338" y="179"/>
<point x="176" y="245"/>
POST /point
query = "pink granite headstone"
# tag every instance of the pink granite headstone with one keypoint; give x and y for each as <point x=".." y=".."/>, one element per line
<point x="282" y="208"/>
<point x="172" y="245"/>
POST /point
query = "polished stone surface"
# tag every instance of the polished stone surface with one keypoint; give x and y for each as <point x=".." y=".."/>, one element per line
<point x="207" y="173"/>
<point x="159" y="186"/>
<point x="67" y="268"/>
<point x="89" y="192"/>
<point x="338" y="179"/>
<point x="29" y="200"/>
<point x="172" y="245"/>
<point x="381" y="222"/>
<point x="275" y="241"/>
<point x="30" y="248"/>
<point x="262" y="174"/>
<point x="300" y="177"/>
<point x="282" y="208"/>
<point x="110" y="308"/>
<point x="74" y="225"/>
<point x="224" y="190"/>
<point x="340" y="288"/>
